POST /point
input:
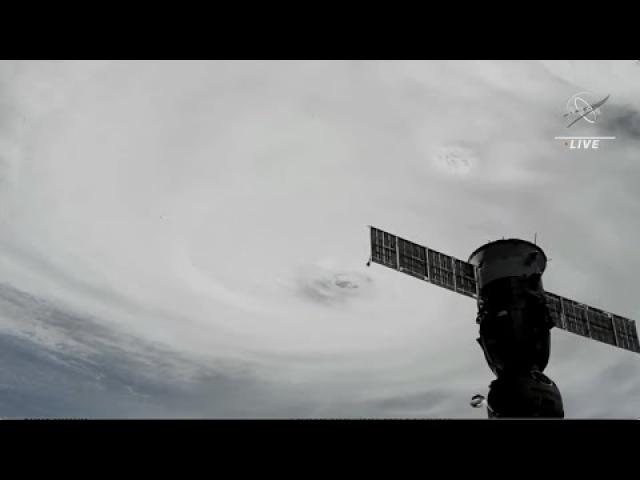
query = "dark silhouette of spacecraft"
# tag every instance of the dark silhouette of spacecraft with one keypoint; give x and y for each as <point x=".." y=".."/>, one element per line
<point x="515" y="315"/>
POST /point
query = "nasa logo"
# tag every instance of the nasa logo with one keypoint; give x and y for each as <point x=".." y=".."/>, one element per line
<point x="583" y="106"/>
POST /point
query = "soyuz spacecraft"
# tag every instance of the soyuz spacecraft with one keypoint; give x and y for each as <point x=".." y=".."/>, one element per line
<point x="515" y="316"/>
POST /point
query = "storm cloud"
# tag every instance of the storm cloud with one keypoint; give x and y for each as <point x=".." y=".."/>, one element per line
<point x="189" y="239"/>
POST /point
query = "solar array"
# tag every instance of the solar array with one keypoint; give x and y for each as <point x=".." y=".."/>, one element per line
<point x="459" y="276"/>
<point x="423" y="263"/>
<point x="593" y="323"/>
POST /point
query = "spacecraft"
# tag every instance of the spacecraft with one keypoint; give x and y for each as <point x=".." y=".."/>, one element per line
<point x="515" y="316"/>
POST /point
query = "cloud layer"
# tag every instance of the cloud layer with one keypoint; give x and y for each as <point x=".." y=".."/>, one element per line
<point x="210" y="217"/>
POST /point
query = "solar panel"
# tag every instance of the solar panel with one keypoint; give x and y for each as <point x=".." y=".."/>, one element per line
<point x="575" y="316"/>
<point x="626" y="333"/>
<point x="383" y="248"/>
<point x="592" y="322"/>
<point x="412" y="259"/>
<point x="423" y="263"/>
<point x="633" y="336"/>
<point x="601" y="326"/>
<point x="441" y="269"/>
<point x="465" y="278"/>
<point x="554" y="304"/>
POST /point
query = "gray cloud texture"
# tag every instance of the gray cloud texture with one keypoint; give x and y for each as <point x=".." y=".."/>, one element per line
<point x="189" y="238"/>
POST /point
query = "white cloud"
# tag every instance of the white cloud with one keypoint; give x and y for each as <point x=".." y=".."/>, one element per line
<point x="220" y="208"/>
